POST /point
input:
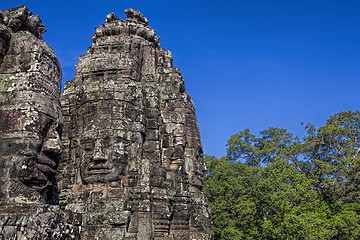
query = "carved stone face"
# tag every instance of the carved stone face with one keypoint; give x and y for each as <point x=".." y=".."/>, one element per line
<point x="42" y="152"/>
<point x="31" y="151"/>
<point x="104" y="159"/>
<point x="30" y="115"/>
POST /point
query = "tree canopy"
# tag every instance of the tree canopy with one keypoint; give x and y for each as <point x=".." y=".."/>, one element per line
<point x="277" y="186"/>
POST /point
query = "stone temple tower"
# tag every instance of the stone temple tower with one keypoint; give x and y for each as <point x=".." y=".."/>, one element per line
<point x="132" y="165"/>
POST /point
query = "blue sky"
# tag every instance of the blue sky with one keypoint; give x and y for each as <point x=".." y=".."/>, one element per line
<point x="247" y="64"/>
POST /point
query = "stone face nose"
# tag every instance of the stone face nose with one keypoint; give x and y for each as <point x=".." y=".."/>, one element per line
<point x="52" y="143"/>
<point x="98" y="156"/>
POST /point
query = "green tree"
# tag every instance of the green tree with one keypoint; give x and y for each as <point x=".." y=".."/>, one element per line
<point x="333" y="153"/>
<point x="273" y="202"/>
<point x="272" y="143"/>
<point x="286" y="198"/>
<point x="277" y="186"/>
<point x="229" y="188"/>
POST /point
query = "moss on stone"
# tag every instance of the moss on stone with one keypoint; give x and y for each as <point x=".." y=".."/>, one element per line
<point x="6" y="82"/>
<point x="6" y="94"/>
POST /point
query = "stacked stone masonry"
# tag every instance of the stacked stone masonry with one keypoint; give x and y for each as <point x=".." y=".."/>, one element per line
<point x="131" y="162"/>
<point x="30" y="129"/>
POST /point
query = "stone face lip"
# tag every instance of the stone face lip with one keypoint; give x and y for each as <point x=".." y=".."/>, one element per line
<point x="132" y="165"/>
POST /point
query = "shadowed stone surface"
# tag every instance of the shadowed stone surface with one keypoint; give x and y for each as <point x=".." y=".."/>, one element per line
<point x="30" y="129"/>
<point x="132" y="162"/>
<point x="132" y="165"/>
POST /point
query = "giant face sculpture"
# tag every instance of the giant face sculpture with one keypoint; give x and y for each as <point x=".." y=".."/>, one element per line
<point x="30" y="116"/>
<point x="107" y="131"/>
<point x="30" y="151"/>
<point x="105" y="158"/>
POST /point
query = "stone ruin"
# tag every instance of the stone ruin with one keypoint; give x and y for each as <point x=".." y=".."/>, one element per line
<point x="30" y="128"/>
<point x="129" y="165"/>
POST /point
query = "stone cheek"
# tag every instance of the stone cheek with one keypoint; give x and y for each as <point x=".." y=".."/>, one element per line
<point x="132" y="163"/>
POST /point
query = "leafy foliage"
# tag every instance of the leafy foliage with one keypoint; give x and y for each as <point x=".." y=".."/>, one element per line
<point x="277" y="186"/>
<point x="332" y="151"/>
